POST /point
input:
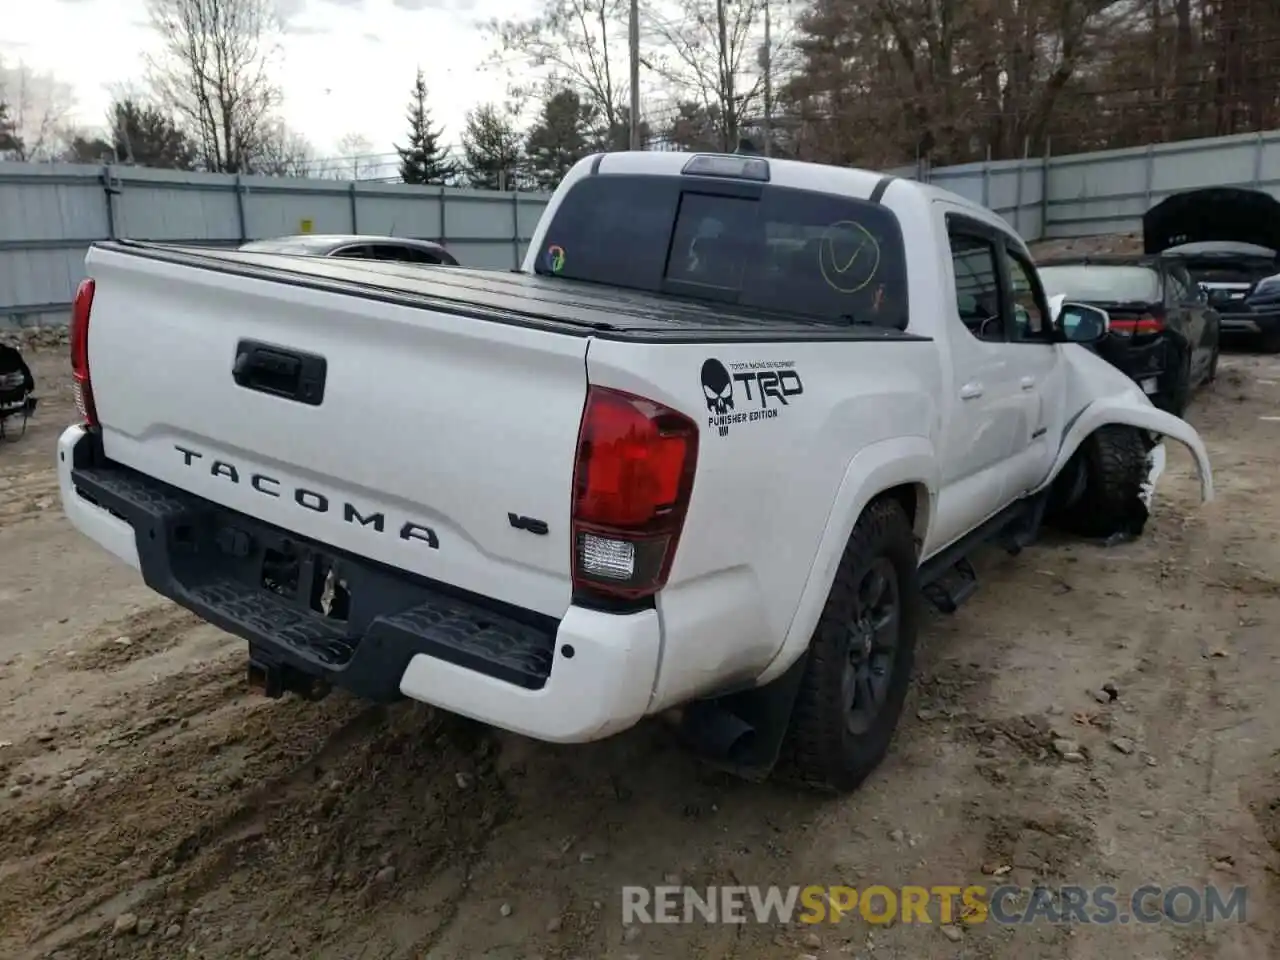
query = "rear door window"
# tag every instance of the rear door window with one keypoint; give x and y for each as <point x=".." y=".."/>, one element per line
<point x="977" y="278"/>
<point x="797" y="252"/>
<point x="403" y="254"/>
<point x="1178" y="287"/>
<point x="1029" y="306"/>
<point x="356" y="252"/>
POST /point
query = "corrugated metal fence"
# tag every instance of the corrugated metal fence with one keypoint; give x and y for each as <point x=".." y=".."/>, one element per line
<point x="50" y="214"/>
<point x="1108" y="192"/>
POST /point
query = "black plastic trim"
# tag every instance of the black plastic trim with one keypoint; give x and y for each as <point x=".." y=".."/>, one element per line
<point x="877" y="192"/>
<point x="210" y="559"/>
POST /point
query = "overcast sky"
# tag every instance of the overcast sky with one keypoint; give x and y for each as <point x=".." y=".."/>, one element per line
<point x="347" y="66"/>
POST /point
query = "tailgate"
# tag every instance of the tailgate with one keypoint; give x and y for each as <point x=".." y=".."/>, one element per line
<point x="434" y="443"/>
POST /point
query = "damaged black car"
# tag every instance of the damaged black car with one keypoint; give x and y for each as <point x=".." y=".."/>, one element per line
<point x="17" y="392"/>
<point x="1228" y="238"/>
<point x="1163" y="332"/>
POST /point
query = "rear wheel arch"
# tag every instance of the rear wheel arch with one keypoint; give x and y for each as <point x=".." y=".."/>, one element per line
<point x="860" y="656"/>
<point x="914" y="500"/>
<point x="903" y="470"/>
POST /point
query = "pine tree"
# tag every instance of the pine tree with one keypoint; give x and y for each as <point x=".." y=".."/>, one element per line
<point x="424" y="160"/>
<point x="559" y="138"/>
<point x="492" y="147"/>
<point x="144" y="134"/>
<point x="9" y="140"/>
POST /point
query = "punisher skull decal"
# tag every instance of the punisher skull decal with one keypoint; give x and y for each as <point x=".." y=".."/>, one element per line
<point x="717" y="387"/>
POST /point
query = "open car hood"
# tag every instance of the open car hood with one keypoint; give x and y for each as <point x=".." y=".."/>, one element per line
<point x="1224" y="214"/>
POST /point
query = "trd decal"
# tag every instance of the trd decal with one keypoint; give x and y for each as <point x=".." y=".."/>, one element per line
<point x="747" y="391"/>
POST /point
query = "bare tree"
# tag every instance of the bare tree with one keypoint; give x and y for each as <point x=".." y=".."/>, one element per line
<point x="355" y="158"/>
<point x="213" y="73"/>
<point x="709" y="56"/>
<point x="278" y="151"/>
<point x="965" y="80"/>
<point x="578" y="44"/>
<point x="38" y="107"/>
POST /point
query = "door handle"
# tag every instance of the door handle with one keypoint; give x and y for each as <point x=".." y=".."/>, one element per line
<point x="1027" y="383"/>
<point x="280" y="372"/>
<point x="971" y="390"/>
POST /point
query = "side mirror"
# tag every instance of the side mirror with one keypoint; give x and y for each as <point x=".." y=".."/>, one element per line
<point x="1081" y="323"/>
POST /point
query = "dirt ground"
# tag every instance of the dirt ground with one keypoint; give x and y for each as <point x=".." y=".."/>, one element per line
<point x="150" y="806"/>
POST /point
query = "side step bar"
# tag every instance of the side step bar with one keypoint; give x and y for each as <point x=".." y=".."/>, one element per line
<point x="948" y="578"/>
<point x="950" y="590"/>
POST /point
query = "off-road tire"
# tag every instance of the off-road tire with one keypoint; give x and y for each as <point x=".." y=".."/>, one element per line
<point x="1116" y="467"/>
<point x="819" y="751"/>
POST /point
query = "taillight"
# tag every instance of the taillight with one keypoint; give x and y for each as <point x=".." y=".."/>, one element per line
<point x="632" y="481"/>
<point x="79" y="336"/>
<point x="1137" y="326"/>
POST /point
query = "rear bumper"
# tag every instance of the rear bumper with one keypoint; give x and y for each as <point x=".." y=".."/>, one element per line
<point x="1146" y="363"/>
<point x="1251" y="322"/>
<point x="582" y="678"/>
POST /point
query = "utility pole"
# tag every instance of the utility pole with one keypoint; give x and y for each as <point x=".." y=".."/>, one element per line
<point x="768" y="84"/>
<point x="635" y="75"/>
<point x="726" y="80"/>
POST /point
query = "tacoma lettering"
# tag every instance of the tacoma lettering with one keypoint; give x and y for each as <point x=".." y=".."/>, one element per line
<point x="311" y="500"/>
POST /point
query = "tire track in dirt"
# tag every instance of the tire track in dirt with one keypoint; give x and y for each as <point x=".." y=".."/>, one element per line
<point x="142" y="634"/>
<point x="154" y="787"/>
<point x="327" y="829"/>
<point x="23" y="494"/>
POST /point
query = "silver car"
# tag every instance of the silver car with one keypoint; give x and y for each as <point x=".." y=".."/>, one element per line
<point x="356" y="247"/>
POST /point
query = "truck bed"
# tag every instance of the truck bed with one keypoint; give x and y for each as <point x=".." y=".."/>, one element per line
<point x="512" y="297"/>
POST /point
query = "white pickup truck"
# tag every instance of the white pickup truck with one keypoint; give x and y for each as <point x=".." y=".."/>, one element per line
<point x="708" y="449"/>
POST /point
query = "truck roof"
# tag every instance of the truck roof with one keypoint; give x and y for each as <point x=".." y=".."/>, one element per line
<point x="798" y="174"/>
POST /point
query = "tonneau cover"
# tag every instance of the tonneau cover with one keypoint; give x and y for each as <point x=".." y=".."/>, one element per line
<point x="573" y="303"/>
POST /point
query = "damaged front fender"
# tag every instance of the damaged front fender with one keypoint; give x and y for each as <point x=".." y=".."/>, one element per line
<point x="1136" y="411"/>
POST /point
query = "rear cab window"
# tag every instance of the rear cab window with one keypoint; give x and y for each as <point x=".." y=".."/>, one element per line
<point x="799" y="253"/>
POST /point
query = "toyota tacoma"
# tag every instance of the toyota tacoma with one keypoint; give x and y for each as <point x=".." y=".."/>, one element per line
<point x="710" y="448"/>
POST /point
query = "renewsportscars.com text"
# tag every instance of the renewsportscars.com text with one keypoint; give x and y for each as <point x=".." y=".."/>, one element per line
<point x="942" y="904"/>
